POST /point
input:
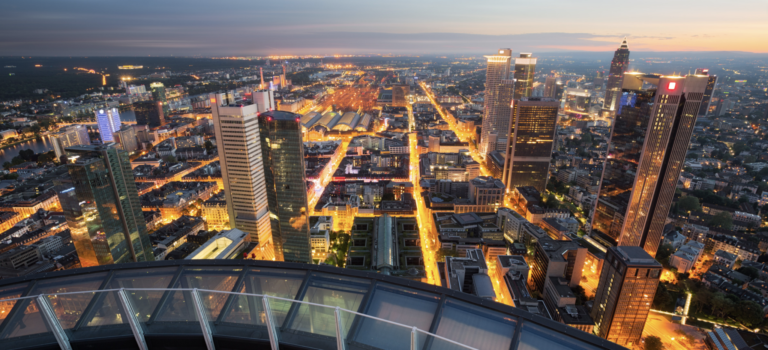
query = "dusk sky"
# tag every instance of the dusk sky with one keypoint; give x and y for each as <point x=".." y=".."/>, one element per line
<point x="223" y="28"/>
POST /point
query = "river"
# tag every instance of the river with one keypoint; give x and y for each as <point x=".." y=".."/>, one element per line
<point x="39" y="146"/>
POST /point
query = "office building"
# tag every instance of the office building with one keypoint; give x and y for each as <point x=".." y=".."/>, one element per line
<point x="149" y="113"/>
<point x="237" y="134"/>
<point x="711" y="85"/>
<point x="619" y="65"/>
<point x="304" y="306"/>
<point x="400" y="95"/>
<point x="550" y="86"/>
<point x="69" y="136"/>
<point x="628" y="283"/>
<point x="108" y="121"/>
<point x="639" y="178"/>
<point x="264" y="100"/>
<point x="102" y="207"/>
<point x="529" y="147"/>
<point x="285" y="179"/>
<point x="227" y="244"/>
<point x="126" y="138"/>
<point x="555" y="258"/>
<point x="469" y="274"/>
<point x="497" y="72"/>
<point x="158" y="93"/>
<point x="525" y="67"/>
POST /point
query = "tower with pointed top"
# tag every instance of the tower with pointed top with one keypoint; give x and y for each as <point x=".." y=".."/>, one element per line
<point x="619" y="65"/>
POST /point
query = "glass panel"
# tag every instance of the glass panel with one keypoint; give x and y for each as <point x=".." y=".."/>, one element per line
<point x="246" y="318"/>
<point x="475" y="326"/>
<point x="69" y="307"/>
<point x="315" y="326"/>
<point x="375" y="334"/>
<point x="344" y="292"/>
<point x="277" y="283"/>
<point x="105" y="317"/>
<point x="402" y="305"/>
<point x="143" y="278"/>
<point x="533" y="336"/>
<point x="78" y="283"/>
<point x="9" y="292"/>
<point x="211" y="278"/>
<point x="175" y="316"/>
<point x="28" y="329"/>
<point x="428" y="341"/>
<point x="144" y="303"/>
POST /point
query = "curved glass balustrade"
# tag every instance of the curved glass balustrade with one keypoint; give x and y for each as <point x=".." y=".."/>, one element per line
<point x="245" y="304"/>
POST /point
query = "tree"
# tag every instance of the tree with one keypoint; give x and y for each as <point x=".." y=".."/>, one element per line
<point x="749" y="313"/>
<point x="581" y="294"/>
<point x="208" y="146"/>
<point x="749" y="271"/>
<point x="653" y="342"/>
<point x="663" y="300"/>
<point x="688" y="204"/>
<point x="7" y="165"/>
<point x="721" y="220"/>
<point x="170" y="159"/>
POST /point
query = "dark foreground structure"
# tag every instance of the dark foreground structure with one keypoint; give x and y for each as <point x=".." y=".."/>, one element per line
<point x="248" y="304"/>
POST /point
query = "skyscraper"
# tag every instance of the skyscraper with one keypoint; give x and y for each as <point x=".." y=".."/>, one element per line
<point x="126" y="138"/>
<point x="158" y="93"/>
<point x="525" y="67"/>
<point x="108" y="120"/>
<point x="646" y="152"/>
<point x="628" y="283"/>
<point x="237" y="132"/>
<point x="149" y="113"/>
<point x="283" y="150"/>
<point x="711" y="85"/>
<point x="619" y="65"/>
<point x="102" y="208"/>
<point x="69" y="136"/>
<point x="496" y="72"/>
<point x="529" y="146"/>
<point x="550" y="86"/>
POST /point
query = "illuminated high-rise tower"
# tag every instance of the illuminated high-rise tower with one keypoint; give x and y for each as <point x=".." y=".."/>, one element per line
<point x="619" y="65"/>
<point x="711" y="85"/>
<point x="108" y="120"/>
<point x="628" y="283"/>
<point x="102" y="207"/>
<point x="237" y="132"/>
<point x="646" y="152"/>
<point x="550" y="86"/>
<point x="532" y="129"/>
<point x="525" y="67"/>
<point x="283" y="155"/>
<point x="497" y="71"/>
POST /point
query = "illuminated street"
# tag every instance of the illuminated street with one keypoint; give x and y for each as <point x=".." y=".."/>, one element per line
<point x="426" y="226"/>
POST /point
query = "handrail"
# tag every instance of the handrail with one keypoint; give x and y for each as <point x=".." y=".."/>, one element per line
<point x="195" y="290"/>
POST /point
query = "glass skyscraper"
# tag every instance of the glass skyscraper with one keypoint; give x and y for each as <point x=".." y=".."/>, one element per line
<point x="529" y="145"/>
<point x="108" y="121"/>
<point x="497" y="71"/>
<point x="525" y="67"/>
<point x="711" y="84"/>
<point x="619" y="65"/>
<point x="102" y="207"/>
<point x="650" y="137"/>
<point x="283" y="154"/>
<point x="149" y="113"/>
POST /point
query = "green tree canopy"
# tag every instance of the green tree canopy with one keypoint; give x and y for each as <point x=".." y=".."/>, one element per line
<point x="688" y="204"/>
<point x="653" y="342"/>
<point x="721" y="220"/>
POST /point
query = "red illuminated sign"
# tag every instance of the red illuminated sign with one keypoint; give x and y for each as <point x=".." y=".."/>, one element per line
<point x="672" y="85"/>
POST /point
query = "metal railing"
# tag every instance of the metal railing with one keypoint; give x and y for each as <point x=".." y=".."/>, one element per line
<point x="138" y="327"/>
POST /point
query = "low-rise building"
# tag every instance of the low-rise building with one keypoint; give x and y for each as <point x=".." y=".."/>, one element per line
<point x="469" y="275"/>
<point x="724" y="258"/>
<point x="686" y="257"/>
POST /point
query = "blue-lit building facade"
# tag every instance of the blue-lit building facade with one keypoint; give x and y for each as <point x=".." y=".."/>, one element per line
<point x="108" y="121"/>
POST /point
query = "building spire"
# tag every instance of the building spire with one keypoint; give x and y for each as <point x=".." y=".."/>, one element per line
<point x="624" y="43"/>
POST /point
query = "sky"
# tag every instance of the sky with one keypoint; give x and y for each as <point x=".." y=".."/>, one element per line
<point x="297" y="27"/>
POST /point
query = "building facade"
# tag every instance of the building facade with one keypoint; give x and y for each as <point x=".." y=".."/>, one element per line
<point x="529" y="146"/>
<point x="639" y="179"/>
<point x="108" y="121"/>
<point x="237" y="136"/>
<point x="525" y="67"/>
<point x="149" y="113"/>
<point x="285" y="177"/>
<point x="628" y="283"/>
<point x="619" y="65"/>
<point x="69" y="136"/>
<point x="497" y="71"/>
<point x="102" y="208"/>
